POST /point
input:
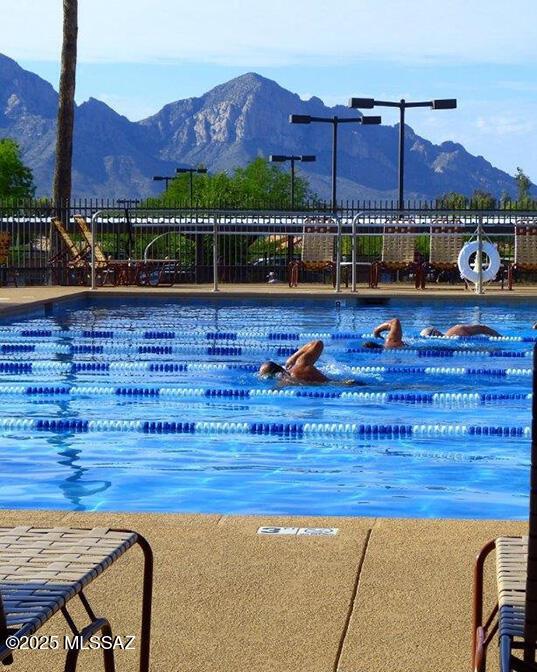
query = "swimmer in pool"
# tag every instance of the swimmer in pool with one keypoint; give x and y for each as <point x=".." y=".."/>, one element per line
<point x="394" y="337"/>
<point x="300" y="368"/>
<point x="461" y="330"/>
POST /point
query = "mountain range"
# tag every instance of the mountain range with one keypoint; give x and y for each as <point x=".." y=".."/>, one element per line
<point x="222" y="129"/>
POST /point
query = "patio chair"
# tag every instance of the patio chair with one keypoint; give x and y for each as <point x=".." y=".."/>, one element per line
<point x="105" y="271"/>
<point x="72" y="260"/>
<point x="317" y="252"/>
<point x="41" y="570"/>
<point x="8" y="274"/>
<point x="514" y="617"/>
<point x="398" y="254"/>
<point x="525" y="257"/>
<point x="446" y="243"/>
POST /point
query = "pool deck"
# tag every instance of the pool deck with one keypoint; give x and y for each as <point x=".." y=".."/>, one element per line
<point x="383" y="595"/>
<point x="15" y="300"/>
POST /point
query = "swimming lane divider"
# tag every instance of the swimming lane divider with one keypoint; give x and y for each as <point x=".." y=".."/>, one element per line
<point x="21" y="368"/>
<point x="295" y="430"/>
<point x="164" y="334"/>
<point x="457" y="398"/>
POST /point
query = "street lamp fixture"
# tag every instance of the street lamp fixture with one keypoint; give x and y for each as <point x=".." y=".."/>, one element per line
<point x="163" y="178"/>
<point x="335" y="121"/>
<point x="368" y="103"/>
<point x="281" y="158"/>
<point x="191" y="171"/>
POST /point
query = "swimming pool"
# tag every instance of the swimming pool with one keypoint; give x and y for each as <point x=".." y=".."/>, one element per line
<point x="157" y="407"/>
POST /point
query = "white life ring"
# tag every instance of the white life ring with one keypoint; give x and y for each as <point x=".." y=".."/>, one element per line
<point x="488" y="271"/>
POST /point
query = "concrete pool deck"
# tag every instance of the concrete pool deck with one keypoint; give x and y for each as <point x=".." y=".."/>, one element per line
<point x="15" y="300"/>
<point x="383" y="595"/>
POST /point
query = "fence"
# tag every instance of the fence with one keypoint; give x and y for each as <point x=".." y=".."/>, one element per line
<point x="131" y="244"/>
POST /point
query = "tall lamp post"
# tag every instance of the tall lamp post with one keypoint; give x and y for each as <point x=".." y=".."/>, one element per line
<point x="368" y="103"/>
<point x="163" y="178"/>
<point x="128" y="203"/>
<point x="191" y="172"/>
<point x="335" y="121"/>
<point x="198" y="238"/>
<point x="281" y="158"/>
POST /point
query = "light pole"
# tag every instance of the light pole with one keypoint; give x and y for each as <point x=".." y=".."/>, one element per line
<point x="163" y="178"/>
<point x="127" y="203"/>
<point x="191" y="171"/>
<point x="198" y="238"/>
<point x="335" y="121"/>
<point x="368" y="103"/>
<point x="281" y="158"/>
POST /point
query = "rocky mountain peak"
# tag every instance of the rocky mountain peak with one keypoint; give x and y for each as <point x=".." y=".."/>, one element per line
<point x="224" y="128"/>
<point x="23" y="92"/>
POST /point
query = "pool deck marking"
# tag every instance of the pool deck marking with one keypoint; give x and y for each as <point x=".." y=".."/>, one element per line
<point x="228" y="600"/>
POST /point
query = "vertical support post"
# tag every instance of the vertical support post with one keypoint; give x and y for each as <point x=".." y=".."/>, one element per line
<point x="338" y="255"/>
<point x="479" y="256"/>
<point x="291" y="239"/>
<point x="334" y="165"/>
<point x="292" y="183"/>
<point x="93" y="220"/>
<point x="334" y="203"/>
<point x="215" y="254"/>
<point x="353" y="252"/>
<point x="401" y="154"/>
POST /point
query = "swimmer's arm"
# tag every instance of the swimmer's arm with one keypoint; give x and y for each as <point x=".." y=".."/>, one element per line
<point x="310" y="352"/>
<point x="378" y="331"/>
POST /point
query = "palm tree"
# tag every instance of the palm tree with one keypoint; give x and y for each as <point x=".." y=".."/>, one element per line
<point x="66" y="108"/>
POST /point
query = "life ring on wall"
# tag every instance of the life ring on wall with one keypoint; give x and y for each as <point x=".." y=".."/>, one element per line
<point x="488" y="271"/>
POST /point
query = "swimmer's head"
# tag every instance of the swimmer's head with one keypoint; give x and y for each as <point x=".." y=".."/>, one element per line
<point x="534" y="326"/>
<point x="371" y="345"/>
<point x="270" y="369"/>
<point x="431" y="331"/>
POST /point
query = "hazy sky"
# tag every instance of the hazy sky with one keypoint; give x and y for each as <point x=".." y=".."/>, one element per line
<point x="137" y="55"/>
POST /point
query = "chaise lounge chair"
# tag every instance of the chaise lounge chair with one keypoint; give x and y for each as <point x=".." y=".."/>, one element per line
<point x="514" y="617"/>
<point x="317" y="251"/>
<point x="525" y="257"/>
<point x="446" y="243"/>
<point x="398" y="253"/>
<point x="41" y="570"/>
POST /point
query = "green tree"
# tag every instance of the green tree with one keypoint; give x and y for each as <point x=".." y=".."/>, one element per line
<point x="259" y="184"/>
<point x="66" y="107"/>
<point x="16" y="180"/>
<point x="453" y="201"/>
<point x="523" y="184"/>
<point x="482" y="200"/>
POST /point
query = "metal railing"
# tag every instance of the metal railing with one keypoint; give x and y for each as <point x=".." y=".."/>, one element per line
<point x="217" y="245"/>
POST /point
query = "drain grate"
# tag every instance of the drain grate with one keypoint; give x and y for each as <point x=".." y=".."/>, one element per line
<point x="299" y="531"/>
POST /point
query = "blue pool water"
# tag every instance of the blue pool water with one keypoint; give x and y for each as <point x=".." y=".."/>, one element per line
<point x="157" y="407"/>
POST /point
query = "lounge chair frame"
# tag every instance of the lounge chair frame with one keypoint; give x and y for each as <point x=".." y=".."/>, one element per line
<point x="514" y="616"/>
<point x="48" y="600"/>
<point x="398" y="252"/>
<point x="525" y="257"/>
<point x="318" y="241"/>
<point x="447" y="240"/>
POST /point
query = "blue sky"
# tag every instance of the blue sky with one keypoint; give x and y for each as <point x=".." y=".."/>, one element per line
<point x="138" y="55"/>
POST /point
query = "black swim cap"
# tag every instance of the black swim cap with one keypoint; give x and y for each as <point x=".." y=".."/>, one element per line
<point x="371" y="345"/>
<point x="270" y="369"/>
